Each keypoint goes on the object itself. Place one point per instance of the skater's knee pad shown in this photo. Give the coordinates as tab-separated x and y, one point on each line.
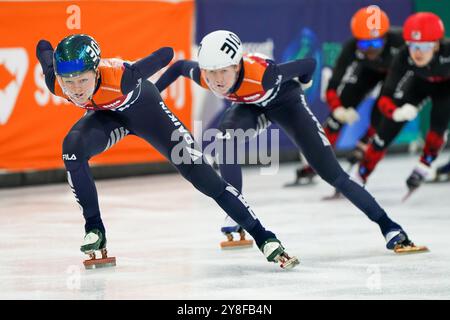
205	179
73	150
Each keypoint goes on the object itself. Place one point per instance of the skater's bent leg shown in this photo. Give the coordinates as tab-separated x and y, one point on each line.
387	131
80	180
91	135
154	122
304	129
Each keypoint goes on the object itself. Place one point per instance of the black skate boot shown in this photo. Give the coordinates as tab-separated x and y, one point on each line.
416	178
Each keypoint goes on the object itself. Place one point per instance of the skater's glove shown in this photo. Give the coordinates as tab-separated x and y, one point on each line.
345	115
407	112
44	45
352	115
340	114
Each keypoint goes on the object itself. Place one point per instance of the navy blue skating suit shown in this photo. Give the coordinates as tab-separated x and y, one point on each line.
125	103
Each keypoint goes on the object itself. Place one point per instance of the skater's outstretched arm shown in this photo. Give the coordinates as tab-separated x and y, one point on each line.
185	68
279	73
133	73
44	53
142	69
395	80
345	58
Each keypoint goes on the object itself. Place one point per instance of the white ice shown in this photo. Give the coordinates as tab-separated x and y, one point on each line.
166	237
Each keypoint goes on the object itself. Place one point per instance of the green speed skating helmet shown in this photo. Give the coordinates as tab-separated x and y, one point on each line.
76	54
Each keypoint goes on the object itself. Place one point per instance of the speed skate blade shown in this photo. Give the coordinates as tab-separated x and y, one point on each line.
290	263
99	263
407	195
238	244
410	249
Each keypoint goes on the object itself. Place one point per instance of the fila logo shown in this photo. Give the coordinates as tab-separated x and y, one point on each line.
66	157
13	68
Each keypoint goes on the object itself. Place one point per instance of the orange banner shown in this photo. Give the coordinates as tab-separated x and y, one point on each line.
33	123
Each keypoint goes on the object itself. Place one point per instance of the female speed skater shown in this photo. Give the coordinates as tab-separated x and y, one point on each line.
120	101
263	92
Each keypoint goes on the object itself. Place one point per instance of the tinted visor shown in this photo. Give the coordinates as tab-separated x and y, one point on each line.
364	45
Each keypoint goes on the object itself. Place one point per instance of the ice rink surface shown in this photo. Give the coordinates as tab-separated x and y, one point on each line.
166	237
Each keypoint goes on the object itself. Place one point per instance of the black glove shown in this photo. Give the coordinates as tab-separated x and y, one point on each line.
44	53
43	45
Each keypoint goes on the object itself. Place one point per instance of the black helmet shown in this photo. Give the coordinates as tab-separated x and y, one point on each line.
76	54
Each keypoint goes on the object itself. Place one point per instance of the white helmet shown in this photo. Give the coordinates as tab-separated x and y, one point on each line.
219	49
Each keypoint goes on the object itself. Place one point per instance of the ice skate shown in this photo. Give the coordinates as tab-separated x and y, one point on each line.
416	178
398	241
95	241
274	252
230	227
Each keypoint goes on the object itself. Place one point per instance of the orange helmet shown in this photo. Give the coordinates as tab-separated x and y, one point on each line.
369	22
